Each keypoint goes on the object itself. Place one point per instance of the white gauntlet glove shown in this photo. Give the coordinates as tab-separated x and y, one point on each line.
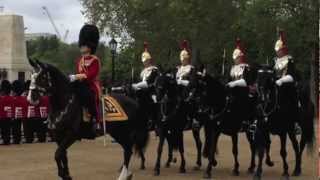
182	82
72	78
284	79
238	83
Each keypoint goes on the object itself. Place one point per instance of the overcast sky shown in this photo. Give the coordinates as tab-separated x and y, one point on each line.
65	13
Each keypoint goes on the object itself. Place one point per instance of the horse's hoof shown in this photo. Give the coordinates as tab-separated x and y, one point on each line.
296	172
197	168
174	160
214	163
67	178
285	176
207	176
182	170
251	170
257	177
130	177
156	172
235	173
269	163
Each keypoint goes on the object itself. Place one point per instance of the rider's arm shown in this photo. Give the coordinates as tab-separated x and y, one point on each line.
238	83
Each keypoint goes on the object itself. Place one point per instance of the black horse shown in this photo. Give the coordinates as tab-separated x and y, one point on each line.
225	111
172	119
67	117
282	107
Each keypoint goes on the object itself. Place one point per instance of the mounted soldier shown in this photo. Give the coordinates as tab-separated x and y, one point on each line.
149	72
147	76
184	75
287	76
238	70
87	71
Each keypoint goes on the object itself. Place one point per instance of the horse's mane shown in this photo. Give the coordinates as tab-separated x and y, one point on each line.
60	87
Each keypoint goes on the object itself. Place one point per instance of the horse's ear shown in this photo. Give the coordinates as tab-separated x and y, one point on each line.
42	65
32	63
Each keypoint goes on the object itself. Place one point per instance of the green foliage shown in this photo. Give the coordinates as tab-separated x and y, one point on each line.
210	25
61	55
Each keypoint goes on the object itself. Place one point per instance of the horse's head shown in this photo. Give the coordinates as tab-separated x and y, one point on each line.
40	81
165	85
266	77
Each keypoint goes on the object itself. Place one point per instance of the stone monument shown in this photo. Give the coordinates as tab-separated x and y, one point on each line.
13	56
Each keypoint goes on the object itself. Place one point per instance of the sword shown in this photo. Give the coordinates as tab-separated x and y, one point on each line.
223	61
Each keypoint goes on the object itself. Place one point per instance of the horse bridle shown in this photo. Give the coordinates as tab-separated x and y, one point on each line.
264	106
34	87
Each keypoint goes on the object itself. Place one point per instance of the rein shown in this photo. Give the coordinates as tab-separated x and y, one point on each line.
264	107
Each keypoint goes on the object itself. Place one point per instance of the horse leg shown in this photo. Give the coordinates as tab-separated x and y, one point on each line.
160	147
235	154
170	152
196	136
295	145
283	153
269	162
127	153
143	160
181	150
258	173
253	155
214	148
209	149
61	156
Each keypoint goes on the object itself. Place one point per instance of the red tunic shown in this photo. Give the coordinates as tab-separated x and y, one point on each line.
6	107
90	66
43	107
32	111
20	106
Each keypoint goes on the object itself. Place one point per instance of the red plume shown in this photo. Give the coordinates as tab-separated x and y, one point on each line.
282	37
284	41
185	45
145	45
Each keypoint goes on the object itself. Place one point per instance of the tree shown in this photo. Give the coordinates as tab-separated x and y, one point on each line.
210	25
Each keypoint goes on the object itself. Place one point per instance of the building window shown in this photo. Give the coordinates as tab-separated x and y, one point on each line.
21	76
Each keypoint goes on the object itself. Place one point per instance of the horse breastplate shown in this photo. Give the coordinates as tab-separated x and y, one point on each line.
237	71
183	72
281	66
146	72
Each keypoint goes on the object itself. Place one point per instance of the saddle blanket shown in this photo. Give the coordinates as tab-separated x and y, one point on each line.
112	110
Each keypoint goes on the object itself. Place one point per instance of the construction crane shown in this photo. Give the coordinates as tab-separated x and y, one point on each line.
54	25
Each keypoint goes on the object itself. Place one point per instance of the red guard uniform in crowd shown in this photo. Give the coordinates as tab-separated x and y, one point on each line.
43	107
6	115
20	106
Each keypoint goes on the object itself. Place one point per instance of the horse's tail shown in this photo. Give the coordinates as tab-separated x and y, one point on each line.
307	119
141	133
173	139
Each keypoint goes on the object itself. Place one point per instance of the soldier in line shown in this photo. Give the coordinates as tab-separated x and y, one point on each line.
6	111
20	105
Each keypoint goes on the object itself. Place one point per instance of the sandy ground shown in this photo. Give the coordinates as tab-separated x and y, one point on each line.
90	160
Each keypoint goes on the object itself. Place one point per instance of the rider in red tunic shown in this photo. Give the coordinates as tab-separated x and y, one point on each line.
88	69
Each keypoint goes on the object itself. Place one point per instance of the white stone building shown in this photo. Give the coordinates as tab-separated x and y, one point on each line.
13	56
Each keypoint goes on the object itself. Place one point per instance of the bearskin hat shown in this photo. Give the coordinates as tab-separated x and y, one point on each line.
145	55
89	36
5	87
18	87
